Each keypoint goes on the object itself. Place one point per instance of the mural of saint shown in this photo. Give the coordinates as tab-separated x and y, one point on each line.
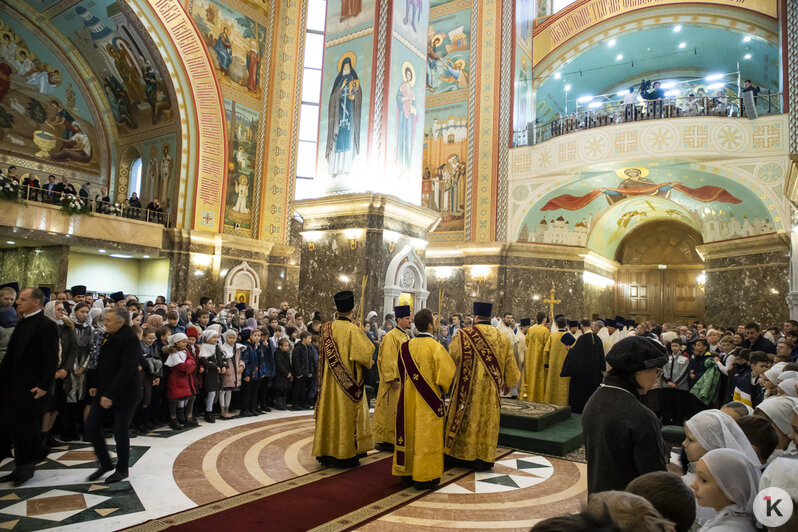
253	66
406	117
242	189
412	12
343	131
635	183
165	172
350	8
224	50
153	175
432	60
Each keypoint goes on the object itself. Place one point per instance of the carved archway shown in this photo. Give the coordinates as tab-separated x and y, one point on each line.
242	280
405	274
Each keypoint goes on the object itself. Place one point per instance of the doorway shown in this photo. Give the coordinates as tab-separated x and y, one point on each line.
659	275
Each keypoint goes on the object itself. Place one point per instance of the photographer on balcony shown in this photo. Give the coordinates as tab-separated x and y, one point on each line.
655	95
630	106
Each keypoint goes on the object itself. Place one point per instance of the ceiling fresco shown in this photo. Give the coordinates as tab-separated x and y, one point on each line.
598	208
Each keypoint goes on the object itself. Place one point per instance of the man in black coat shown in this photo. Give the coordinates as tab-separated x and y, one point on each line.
585	365
755	341
117	388
26	375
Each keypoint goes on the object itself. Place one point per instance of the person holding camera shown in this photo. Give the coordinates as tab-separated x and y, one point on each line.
655	95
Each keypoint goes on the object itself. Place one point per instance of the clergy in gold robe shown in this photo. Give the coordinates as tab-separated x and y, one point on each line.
427	371
535	371
343	431
384	420
485	367
554	355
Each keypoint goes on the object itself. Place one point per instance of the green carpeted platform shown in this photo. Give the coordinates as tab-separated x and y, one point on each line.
538	427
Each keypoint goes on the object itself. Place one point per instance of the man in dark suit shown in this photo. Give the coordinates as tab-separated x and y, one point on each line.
116	387
26	375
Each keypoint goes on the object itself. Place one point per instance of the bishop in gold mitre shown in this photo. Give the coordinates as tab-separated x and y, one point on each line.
425	373
343	431
485	368
535	367
384	421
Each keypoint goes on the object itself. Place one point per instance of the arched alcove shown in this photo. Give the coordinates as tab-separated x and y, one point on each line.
405	275
662	242
242	282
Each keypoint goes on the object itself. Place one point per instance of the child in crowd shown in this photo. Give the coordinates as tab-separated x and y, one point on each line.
180	388
778	411
267	371
313	381
234	368
770	379
173	322
746	385
671	497
736	410
631	513
675	387
213	365
761	435
281	382
151	375
193	333
300	368
251	376
727	482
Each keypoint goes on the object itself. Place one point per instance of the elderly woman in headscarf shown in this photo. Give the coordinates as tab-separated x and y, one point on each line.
155	322
779	411
727	482
66	361
212	360
622	437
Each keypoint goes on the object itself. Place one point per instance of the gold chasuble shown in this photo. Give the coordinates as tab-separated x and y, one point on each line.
554	356
485	363
535	371
343	430
427	368
384	421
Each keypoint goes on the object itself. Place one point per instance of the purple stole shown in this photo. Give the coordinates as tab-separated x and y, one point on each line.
407	367
348	384
473	345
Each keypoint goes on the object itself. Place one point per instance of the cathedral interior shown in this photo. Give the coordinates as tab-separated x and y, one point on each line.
624	157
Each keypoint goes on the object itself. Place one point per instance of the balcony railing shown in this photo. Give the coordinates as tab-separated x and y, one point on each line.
123	210
619	113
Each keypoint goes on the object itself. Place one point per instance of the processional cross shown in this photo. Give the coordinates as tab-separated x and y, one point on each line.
551	302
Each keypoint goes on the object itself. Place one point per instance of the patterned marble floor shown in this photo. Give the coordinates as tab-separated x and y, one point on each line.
175	471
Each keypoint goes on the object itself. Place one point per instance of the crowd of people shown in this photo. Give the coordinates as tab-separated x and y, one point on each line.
57	191
74	365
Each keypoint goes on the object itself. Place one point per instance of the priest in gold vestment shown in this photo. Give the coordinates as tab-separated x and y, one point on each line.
427	370
554	355
384	421
343	431
485	367
535	371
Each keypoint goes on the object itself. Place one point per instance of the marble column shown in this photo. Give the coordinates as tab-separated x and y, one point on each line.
351	237
792	296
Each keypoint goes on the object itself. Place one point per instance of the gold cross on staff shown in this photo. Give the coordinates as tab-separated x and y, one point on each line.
551	302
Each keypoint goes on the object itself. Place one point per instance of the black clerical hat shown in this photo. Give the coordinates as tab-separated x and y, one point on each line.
610	322
344	301
636	353
241	306
526	322
14	285
558	316
402	311
116	297
573	323
621	321
568	339
46	291
78	290
483	309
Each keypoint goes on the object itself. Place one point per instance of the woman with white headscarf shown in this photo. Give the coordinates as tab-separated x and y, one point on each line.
770	379
212	365
789	387
727	482
783	473
233	370
707	431
778	410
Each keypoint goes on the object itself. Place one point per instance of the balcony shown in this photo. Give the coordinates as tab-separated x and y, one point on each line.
598	115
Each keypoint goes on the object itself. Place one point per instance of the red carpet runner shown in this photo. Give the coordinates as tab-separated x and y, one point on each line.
304	507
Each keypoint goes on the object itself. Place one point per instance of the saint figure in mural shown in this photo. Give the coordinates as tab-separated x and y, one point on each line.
165	168
456	73
153	175
253	64
242	189
224	50
350	8
77	148
343	130
412	12
634	183
406	117
432	61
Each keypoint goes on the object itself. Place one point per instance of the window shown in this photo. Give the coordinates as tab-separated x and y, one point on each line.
559	5
135	177
311	91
